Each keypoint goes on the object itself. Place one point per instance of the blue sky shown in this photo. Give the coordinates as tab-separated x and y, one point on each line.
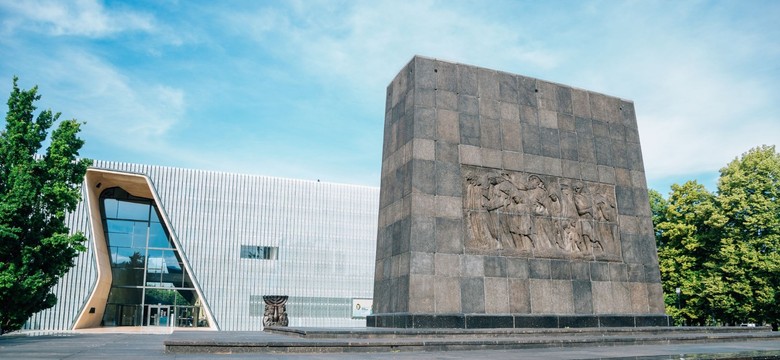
297	88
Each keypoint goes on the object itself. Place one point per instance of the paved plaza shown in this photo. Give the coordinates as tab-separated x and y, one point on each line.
147	345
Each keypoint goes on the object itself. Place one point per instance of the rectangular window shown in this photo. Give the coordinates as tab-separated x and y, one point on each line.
259	252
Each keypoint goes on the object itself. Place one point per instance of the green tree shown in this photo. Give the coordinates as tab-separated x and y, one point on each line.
36	190
744	284
723	250
686	242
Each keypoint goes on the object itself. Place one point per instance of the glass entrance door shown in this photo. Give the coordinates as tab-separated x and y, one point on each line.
158	315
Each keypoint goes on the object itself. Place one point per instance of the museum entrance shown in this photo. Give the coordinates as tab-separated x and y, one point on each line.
158	315
150	285
172	315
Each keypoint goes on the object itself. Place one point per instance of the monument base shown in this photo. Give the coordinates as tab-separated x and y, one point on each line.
485	321
609	342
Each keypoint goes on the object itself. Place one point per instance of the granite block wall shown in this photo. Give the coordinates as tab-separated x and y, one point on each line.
510	196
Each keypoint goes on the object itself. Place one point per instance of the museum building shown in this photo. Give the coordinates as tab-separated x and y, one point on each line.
191	248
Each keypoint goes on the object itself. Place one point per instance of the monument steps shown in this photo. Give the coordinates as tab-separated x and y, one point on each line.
397	333
322	340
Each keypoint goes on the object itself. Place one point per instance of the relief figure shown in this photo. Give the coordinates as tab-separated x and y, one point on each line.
605	206
584	208
540	199
570	237
496	198
476	220
568	209
519	221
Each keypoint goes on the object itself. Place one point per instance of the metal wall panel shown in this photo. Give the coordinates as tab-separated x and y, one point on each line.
326	235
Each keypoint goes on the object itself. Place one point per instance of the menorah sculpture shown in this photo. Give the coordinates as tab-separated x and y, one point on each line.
275	310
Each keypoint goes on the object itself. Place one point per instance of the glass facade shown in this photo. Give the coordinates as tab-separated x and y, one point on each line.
150	285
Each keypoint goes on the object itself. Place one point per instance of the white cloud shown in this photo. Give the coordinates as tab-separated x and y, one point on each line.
363	44
700	101
80	17
119	109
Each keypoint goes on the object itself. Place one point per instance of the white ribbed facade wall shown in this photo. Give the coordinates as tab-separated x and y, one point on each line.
326	235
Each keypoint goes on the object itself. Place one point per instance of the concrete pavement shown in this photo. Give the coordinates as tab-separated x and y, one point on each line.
118	346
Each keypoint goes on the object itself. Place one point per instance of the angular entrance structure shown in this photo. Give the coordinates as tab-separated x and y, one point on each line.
508	201
143	279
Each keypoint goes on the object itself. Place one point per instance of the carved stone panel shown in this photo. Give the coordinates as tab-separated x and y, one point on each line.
529	215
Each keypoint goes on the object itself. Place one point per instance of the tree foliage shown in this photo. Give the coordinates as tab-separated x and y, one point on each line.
36	190
723	250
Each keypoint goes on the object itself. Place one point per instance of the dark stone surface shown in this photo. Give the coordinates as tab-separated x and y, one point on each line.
578	321
618	272
448	235
583	296
619	154
551	142
586	151
507	87
469	129
446	100
517	268
599	271
560	270
583	127
422	180
446	153
539	268
580	270
569	145
424	121
490	132
472	295
536	321
625	200
616	321
636	273
489	321
448	179
467	80
653	320
422	231
526	91
495	266
566	122
468	104
531	139
441	321
603	148
446	76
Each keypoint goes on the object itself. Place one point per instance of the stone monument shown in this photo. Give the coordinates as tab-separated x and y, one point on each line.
508	201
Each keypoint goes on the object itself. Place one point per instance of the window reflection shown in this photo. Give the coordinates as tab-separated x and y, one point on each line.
157	236
110	208
133	211
119	226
